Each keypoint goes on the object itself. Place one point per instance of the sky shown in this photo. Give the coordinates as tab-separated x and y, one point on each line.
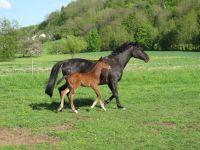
29	12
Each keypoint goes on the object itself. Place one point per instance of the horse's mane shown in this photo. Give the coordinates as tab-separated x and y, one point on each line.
122	48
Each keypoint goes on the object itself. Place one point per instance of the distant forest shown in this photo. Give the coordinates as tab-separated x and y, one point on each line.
105	24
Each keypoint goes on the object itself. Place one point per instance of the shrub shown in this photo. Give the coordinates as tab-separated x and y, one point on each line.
94	42
31	47
55	47
70	45
9	41
75	45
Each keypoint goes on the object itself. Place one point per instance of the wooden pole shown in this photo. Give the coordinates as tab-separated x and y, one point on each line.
32	64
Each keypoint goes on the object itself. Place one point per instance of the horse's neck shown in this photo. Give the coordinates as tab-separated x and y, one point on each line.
97	70
124	57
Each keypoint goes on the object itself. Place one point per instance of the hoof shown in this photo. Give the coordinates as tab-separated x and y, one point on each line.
75	111
59	109
121	107
104	109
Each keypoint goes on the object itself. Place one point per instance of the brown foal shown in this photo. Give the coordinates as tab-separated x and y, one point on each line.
88	79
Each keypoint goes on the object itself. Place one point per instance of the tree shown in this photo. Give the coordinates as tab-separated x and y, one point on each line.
114	35
143	35
168	35
166	24
9	41
94	42
55	47
75	44
31	47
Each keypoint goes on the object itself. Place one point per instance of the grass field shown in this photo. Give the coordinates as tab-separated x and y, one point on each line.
162	100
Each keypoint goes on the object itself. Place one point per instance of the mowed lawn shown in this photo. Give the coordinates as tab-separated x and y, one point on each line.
162	100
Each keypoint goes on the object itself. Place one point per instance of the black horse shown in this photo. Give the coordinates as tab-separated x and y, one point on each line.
118	60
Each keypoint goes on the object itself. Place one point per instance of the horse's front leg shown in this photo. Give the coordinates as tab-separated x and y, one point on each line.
114	88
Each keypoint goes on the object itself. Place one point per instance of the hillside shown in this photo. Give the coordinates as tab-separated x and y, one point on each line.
155	24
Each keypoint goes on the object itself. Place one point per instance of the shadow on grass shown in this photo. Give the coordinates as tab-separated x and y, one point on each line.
54	105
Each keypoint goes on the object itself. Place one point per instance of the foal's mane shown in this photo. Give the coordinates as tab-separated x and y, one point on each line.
122	48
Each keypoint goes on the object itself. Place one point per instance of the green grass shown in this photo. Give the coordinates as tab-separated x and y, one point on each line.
162	99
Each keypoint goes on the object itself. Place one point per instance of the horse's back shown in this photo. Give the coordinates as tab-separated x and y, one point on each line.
77	65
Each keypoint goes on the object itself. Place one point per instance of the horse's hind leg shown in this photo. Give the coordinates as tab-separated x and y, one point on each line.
110	99
114	89
62	95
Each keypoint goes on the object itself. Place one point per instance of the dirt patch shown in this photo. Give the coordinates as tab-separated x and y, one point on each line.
70	125
19	136
22	136
63	127
164	124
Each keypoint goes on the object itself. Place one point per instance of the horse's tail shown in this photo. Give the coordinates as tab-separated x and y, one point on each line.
52	78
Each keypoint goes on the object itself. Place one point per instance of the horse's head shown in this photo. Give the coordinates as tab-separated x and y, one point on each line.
139	53
105	65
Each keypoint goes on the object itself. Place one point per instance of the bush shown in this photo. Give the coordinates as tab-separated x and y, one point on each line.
75	45
143	35
94	42
9	41
71	45
31	47
55	47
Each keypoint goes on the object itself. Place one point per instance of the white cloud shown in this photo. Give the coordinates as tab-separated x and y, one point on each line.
5	4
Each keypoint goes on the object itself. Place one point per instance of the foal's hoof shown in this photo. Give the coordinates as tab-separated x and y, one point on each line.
59	109
104	109
75	111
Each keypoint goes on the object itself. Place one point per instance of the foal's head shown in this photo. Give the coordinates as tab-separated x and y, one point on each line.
104	65
138	52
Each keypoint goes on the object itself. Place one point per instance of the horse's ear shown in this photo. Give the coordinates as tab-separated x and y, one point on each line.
101	59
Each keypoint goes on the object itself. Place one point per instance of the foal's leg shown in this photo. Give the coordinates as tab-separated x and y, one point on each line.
70	96
63	87
61	90
63	93
98	99
94	104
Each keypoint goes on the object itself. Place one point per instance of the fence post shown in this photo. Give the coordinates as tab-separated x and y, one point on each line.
32	64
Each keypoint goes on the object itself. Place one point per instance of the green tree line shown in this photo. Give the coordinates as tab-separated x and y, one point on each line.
155	24
99	25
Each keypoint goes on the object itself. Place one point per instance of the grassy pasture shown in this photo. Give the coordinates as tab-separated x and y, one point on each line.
162	99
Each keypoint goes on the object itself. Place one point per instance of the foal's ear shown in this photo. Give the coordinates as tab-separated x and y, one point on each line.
100	59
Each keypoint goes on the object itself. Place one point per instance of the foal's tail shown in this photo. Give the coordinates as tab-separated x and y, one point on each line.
52	78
